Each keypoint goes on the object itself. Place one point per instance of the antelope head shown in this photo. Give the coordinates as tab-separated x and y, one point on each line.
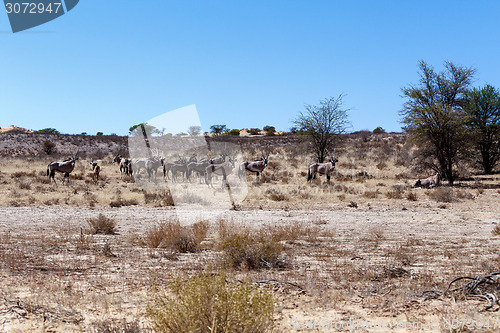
265	158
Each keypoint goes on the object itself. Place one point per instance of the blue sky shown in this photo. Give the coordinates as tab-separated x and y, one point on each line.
107	65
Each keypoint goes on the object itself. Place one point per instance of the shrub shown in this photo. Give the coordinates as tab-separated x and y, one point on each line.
379	130
102	225
411	196
496	230
207	303
276	195
235	132
49	147
254	131
161	198
250	250
122	202
394	194
176	237
442	194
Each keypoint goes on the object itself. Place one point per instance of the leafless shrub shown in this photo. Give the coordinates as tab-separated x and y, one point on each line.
394	194
441	194
174	236
49	147
371	194
122	202
101	225
381	165
276	195
496	230
24	186
110	326
160	199
411	196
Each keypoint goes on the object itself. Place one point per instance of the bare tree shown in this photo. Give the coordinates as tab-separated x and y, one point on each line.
323	124
433	114
194	130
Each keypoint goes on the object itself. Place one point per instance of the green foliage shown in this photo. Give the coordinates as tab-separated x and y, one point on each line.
49	130
254	131
208	303
99	134
323	123
144	128
218	129
482	108
269	130
433	114
234	132
379	130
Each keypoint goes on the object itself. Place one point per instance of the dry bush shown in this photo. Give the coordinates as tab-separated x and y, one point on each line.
160	199
24	186
102	225
207	303
174	236
293	231
411	196
247	249
276	195
394	194
119	202
463	195
441	194
109	326
381	165
371	194
496	230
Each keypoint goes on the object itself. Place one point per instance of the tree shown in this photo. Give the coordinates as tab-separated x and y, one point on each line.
269	130
48	130
482	108
140	128
49	147
218	129
379	130
323	123
254	131
194	130
99	134
234	132
433	114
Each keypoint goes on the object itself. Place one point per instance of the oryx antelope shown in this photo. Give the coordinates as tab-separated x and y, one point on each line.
65	167
125	164
223	169
255	166
153	164
198	167
322	168
96	170
429	182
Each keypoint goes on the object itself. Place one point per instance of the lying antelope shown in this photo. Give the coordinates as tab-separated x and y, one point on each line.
322	168
429	182
256	166
65	167
96	170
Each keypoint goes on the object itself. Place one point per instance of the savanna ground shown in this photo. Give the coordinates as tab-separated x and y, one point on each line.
369	246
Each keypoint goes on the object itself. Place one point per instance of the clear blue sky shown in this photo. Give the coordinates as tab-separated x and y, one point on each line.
107	65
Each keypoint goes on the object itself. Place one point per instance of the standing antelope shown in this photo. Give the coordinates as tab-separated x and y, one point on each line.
125	164
199	167
322	168
97	169
65	167
256	166
223	169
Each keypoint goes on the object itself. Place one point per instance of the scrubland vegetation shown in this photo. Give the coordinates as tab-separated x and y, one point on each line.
110	256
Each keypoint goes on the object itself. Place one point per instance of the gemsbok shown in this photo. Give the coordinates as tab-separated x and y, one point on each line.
322	168
255	166
429	182
96	170
125	165
65	167
223	169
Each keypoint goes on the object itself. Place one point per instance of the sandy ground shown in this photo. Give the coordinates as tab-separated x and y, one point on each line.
369	235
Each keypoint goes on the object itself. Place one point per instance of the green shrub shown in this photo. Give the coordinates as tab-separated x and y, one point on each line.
208	303
234	132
